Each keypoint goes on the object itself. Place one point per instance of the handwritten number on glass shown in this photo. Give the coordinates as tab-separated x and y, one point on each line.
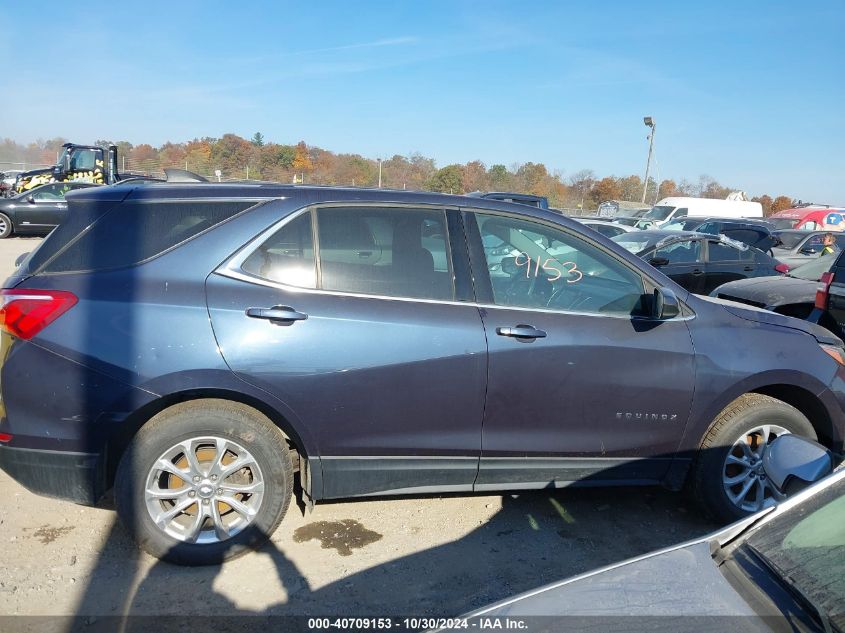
532	267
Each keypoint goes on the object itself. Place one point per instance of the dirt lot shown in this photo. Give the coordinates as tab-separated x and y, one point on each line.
436	555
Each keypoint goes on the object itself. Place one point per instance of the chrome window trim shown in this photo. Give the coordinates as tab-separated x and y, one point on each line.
231	268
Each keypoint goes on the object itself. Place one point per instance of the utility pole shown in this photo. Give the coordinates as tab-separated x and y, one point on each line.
379	172
649	121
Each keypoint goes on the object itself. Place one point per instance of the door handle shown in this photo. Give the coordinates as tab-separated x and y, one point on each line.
521	331
276	313
697	271
748	268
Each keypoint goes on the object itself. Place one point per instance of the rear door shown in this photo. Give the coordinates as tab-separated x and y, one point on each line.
580	386
727	263
360	319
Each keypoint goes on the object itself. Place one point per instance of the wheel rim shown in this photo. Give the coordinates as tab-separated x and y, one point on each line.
3	226
743	478
204	490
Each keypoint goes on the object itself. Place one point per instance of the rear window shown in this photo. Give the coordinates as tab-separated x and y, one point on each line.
129	233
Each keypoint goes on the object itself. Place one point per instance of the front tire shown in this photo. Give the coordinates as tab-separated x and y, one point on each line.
728	479
203	482
6	227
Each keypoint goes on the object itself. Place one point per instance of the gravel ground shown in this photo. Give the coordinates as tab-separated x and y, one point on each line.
402	556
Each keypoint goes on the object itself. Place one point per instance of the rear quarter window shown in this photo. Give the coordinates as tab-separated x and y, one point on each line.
133	232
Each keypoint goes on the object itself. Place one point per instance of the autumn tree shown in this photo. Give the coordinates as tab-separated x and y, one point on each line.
765	202
781	203
632	188
667	189
608	188
302	159
475	177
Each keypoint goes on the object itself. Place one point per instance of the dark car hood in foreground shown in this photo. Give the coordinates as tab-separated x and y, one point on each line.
758	315
679	582
770	291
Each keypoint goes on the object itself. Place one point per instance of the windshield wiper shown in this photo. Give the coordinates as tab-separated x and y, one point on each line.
791	587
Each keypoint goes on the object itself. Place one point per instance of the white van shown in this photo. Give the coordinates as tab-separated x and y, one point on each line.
670	209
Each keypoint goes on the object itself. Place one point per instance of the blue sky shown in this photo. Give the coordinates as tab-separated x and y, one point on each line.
750	93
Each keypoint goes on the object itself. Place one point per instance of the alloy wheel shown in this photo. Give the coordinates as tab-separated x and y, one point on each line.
743	476
204	490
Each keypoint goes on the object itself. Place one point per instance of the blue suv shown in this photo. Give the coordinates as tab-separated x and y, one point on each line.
198	347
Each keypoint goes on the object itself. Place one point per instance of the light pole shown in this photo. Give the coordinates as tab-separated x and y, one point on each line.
649	121
379	172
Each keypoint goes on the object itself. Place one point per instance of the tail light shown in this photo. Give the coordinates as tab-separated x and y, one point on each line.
822	290
782	268
25	312
5	437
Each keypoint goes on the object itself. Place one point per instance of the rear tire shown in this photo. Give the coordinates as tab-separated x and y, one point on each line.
176	507
6	227
727	478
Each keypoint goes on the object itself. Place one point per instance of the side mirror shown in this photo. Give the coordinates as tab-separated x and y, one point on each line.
20	258
658	261
30	199
665	304
792	462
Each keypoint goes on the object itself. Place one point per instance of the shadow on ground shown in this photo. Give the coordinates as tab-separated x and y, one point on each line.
534	539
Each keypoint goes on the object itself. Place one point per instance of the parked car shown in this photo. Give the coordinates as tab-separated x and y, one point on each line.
36	212
796	247
697	261
829	305
811	218
195	345
7	182
791	294
541	202
780	570
754	232
605	227
674	208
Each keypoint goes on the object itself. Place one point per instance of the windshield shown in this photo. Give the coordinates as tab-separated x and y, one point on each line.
814	270
633	241
682	224
782	223
659	213
790	240
806	547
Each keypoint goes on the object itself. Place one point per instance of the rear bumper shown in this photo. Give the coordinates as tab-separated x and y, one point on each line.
76	477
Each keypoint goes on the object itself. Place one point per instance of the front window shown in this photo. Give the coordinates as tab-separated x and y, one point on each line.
537	266
685	252
659	213
805	548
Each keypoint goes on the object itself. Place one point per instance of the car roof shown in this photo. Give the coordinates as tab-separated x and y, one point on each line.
259	191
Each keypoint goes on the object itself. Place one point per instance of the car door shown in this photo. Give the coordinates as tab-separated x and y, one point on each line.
725	262
681	261
581	386
358	319
43	208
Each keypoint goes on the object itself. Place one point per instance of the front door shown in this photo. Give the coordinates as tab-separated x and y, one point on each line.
682	262
47	207
581	386
350	317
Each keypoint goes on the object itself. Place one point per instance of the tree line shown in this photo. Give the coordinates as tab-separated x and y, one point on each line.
239	158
